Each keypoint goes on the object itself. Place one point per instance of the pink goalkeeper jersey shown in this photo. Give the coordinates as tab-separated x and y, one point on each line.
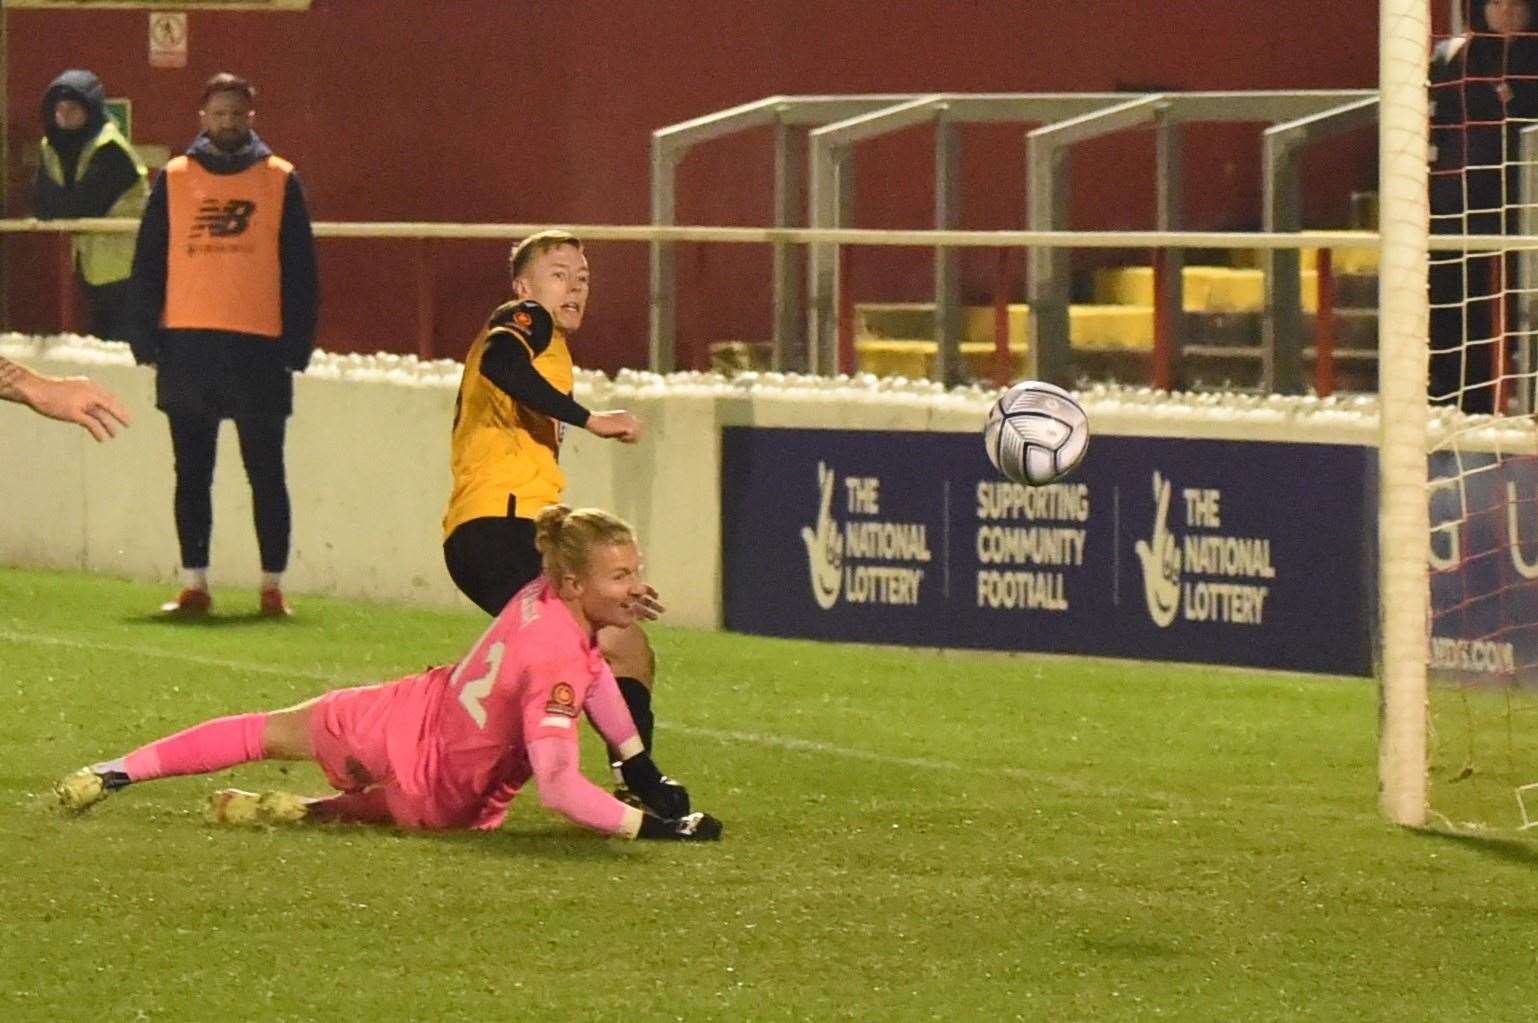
457	735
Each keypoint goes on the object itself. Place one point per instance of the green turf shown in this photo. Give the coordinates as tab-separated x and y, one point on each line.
1482	745
910	835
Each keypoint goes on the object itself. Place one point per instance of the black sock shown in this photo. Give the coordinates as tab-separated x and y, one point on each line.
639	699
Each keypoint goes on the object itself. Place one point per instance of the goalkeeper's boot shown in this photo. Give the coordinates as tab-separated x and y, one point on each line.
80	790
237	806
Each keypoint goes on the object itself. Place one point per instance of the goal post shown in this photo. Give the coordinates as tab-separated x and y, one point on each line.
1403	516
1458	448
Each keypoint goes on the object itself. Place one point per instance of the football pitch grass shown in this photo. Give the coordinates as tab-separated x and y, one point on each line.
909	835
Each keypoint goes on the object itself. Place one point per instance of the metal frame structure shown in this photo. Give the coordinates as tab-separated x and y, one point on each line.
1283	146
830	155
1296	120
671	144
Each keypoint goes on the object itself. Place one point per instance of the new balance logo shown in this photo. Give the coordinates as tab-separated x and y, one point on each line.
222	218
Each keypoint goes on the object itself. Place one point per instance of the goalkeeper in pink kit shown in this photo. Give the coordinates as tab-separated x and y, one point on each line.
450	748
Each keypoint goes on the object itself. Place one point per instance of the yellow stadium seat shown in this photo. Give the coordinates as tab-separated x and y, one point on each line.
1117	327
889	358
977	324
1208	289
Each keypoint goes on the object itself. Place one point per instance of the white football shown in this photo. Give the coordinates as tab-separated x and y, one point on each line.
1036	433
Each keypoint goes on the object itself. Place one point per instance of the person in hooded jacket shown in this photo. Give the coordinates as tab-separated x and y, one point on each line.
87	168
227	298
1483	92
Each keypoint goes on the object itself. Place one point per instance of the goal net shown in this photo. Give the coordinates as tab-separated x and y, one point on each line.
1460	670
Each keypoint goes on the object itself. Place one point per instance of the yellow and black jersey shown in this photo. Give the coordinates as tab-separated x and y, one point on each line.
506	443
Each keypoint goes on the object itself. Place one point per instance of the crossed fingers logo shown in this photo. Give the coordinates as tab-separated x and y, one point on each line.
1160	558
222	218
825	544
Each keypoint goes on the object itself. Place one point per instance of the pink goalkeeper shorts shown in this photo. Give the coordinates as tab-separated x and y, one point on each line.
348	728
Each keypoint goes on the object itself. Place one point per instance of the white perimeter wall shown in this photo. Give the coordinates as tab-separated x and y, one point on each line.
368	467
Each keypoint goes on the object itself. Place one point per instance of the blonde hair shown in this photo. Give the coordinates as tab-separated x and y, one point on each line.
534	244
565	537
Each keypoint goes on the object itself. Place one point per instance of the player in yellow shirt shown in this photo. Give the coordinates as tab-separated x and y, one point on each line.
514	405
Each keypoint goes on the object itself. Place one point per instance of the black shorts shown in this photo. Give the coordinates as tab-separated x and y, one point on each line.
492	559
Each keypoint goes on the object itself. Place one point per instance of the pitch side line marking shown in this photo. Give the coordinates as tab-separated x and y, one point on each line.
789	742
784	742
39	639
1170	801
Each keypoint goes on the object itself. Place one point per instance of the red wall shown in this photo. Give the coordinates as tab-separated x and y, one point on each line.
514	111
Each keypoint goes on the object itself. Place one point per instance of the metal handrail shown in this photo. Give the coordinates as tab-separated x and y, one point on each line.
917	237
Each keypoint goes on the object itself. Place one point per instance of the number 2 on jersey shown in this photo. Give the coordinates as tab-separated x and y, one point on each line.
474	694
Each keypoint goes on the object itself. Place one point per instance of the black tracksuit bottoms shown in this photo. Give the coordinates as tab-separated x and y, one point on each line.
194	441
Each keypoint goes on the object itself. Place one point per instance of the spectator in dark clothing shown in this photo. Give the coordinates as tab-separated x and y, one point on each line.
1484	91
87	168
227	295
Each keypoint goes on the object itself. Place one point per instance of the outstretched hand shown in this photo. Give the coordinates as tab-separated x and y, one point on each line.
618	425
77	400
647	607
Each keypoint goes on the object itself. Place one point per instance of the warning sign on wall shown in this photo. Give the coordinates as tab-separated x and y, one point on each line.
168	39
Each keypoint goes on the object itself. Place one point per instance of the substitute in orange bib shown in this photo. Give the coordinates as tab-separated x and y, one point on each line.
225	278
